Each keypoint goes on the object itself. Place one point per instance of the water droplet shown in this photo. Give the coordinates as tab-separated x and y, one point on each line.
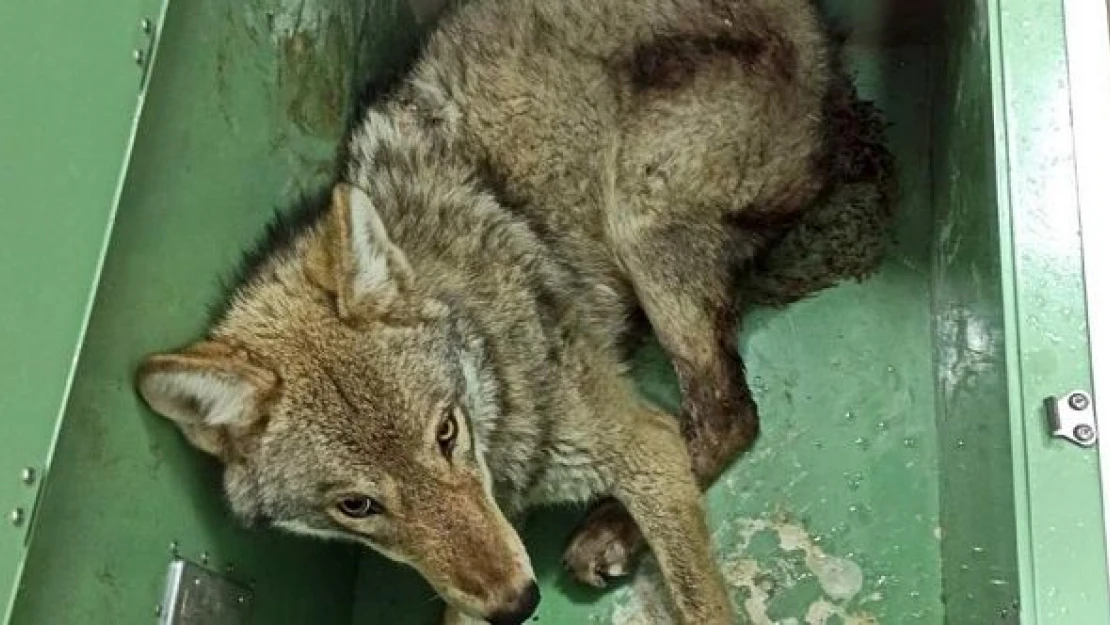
853	508
960	443
883	425
909	442
818	445
890	369
914	594
854	480
862	443
849	416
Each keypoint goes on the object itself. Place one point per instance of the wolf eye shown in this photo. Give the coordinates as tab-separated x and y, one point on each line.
447	433
358	507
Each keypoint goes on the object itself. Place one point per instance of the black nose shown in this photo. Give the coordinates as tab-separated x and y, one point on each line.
519	610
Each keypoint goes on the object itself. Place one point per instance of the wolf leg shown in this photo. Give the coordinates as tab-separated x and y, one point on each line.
681	277
655	484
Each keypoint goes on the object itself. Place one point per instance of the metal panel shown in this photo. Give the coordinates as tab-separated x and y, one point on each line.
1088	41
1061	547
976	476
70	94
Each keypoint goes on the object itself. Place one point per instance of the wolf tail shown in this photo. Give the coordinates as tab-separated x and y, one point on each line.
845	235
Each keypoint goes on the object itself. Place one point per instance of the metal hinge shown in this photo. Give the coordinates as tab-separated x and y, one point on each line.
1073	417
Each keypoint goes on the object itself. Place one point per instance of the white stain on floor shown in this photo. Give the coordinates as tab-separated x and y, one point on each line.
840	579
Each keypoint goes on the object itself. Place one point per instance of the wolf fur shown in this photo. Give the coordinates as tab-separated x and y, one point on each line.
437	343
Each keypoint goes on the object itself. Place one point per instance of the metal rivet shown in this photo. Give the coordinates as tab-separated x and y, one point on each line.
1078	401
27	476
1084	432
146	25
15	517
138	56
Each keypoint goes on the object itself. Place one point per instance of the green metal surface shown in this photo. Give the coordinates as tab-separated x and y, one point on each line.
977	484
1060	547
69	95
1087	26
243	108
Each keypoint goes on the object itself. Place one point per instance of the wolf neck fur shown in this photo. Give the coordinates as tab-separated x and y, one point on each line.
427	195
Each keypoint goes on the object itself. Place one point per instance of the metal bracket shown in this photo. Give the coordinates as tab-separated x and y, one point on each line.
1073	417
198	596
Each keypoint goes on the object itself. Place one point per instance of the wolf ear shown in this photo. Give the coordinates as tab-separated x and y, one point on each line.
371	274
207	390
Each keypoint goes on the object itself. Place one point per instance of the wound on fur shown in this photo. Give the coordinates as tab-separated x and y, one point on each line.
671	62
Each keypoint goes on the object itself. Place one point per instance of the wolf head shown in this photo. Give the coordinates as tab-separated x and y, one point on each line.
345	403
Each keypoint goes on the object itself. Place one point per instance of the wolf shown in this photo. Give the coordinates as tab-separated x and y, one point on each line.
438	341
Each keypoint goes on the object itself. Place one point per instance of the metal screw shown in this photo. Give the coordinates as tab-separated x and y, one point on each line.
27	476
1078	401
15	517
146	25
138	56
1084	433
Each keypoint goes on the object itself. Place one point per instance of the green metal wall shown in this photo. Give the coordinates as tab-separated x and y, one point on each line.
68	97
1058	511
978	549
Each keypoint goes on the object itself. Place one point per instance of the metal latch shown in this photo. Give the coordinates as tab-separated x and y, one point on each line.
198	596
1073	417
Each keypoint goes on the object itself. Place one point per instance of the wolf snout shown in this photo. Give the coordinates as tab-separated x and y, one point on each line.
519	608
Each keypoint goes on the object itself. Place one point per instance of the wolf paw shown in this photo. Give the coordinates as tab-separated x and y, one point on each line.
605	546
